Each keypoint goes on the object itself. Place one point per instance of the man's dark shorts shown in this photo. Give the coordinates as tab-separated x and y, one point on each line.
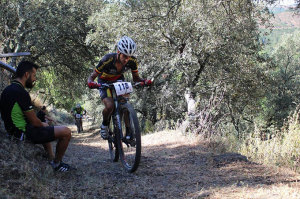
40	135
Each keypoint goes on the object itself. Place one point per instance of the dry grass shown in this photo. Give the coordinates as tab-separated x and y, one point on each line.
24	171
281	149
277	191
172	166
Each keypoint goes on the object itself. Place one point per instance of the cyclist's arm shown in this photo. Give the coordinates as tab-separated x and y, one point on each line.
93	76
136	77
134	70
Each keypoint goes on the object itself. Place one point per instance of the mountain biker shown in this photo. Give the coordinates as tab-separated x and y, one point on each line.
21	121
78	109
110	69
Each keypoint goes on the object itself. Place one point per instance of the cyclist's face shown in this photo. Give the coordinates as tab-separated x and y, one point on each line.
124	59
31	78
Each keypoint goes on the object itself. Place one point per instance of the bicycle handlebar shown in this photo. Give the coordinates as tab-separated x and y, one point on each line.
135	85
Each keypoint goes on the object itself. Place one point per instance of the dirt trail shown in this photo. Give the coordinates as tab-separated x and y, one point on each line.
172	166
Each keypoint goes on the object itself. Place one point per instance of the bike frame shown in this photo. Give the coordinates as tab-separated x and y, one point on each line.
116	114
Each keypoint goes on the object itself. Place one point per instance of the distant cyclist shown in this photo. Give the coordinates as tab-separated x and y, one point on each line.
78	112
110	69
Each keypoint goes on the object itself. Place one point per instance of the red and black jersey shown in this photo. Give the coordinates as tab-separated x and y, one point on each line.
107	67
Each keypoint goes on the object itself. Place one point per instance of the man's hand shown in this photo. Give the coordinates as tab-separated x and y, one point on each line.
147	82
45	124
93	85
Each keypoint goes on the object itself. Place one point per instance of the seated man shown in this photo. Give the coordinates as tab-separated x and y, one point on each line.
21	121
42	115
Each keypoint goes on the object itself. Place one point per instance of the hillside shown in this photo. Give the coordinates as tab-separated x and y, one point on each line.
172	166
286	20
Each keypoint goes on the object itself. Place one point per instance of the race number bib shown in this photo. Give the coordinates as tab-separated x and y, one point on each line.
78	116
123	88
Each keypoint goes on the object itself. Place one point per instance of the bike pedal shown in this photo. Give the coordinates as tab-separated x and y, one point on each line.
127	137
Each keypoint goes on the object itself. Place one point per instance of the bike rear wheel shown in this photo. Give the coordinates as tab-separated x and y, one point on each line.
130	149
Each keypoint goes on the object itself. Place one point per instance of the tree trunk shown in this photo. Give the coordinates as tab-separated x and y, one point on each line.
191	103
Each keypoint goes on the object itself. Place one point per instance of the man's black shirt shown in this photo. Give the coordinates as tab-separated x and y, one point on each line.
15	100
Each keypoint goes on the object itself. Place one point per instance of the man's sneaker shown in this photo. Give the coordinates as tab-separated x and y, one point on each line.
104	132
61	167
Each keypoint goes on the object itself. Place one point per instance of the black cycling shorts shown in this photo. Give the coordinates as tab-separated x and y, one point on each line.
105	92
40	135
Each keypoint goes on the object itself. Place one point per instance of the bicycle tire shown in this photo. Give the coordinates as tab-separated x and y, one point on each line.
129	150
78	126
113	146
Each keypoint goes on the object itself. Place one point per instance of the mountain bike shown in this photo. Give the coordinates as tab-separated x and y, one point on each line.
78	123
124	140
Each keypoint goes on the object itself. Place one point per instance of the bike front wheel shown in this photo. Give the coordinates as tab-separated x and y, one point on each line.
130	144
78	126
112	145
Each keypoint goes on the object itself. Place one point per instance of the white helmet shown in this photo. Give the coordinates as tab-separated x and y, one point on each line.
78	106
126	46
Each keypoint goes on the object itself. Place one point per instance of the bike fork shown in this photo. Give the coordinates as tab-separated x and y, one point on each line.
117	123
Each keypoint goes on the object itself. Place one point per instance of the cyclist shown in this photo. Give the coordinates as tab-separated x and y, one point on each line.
110	69
78	109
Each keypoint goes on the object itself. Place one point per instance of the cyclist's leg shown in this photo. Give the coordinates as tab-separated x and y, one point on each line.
108	102
108	109
81	123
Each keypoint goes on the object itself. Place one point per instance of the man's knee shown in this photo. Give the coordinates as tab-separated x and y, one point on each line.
62	132
68	133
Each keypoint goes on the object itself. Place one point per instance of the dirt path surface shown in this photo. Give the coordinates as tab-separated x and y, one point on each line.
172	166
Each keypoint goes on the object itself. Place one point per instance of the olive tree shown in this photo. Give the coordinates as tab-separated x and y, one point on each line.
54	32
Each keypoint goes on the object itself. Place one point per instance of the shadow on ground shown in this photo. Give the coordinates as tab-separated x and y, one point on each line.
169	170
171	167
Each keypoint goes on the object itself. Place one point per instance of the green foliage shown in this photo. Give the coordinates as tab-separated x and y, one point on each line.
275	37
62	116
184	46
284	93
54	32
